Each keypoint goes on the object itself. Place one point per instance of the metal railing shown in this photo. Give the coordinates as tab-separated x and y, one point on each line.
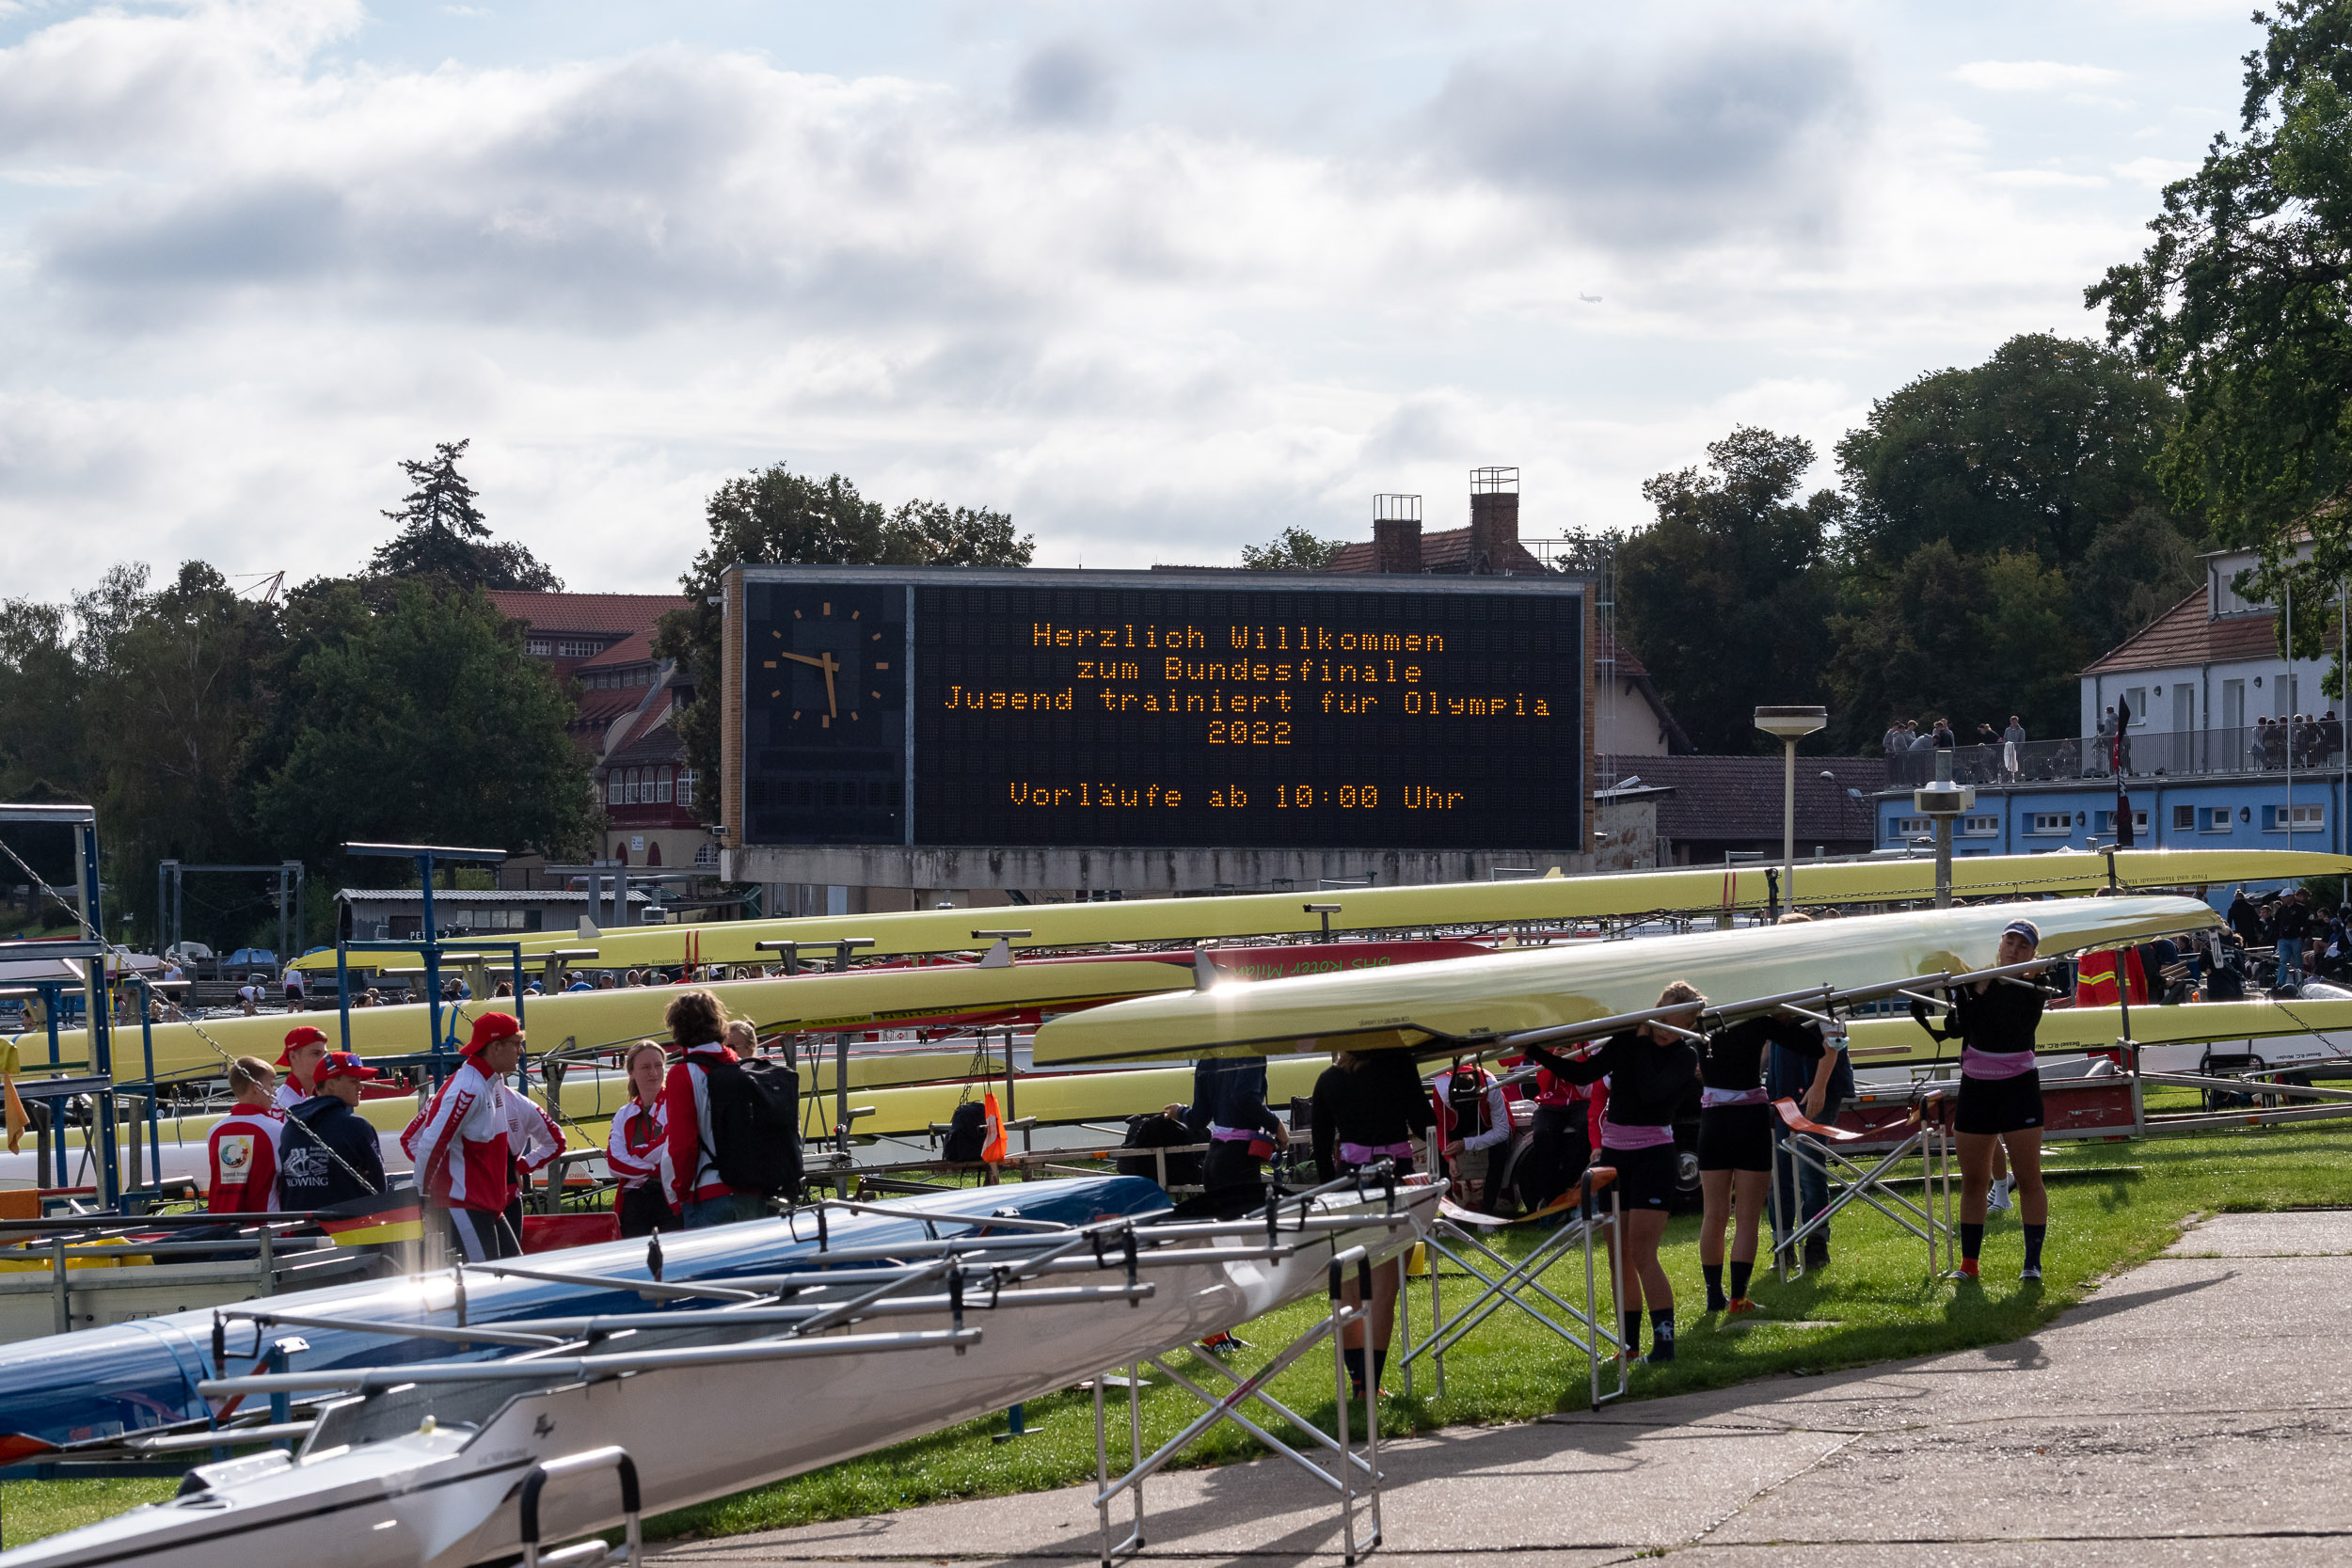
2315	746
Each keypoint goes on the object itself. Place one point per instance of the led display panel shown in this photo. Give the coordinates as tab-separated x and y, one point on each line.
955	708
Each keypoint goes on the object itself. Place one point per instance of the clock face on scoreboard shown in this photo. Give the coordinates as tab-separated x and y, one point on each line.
1062	709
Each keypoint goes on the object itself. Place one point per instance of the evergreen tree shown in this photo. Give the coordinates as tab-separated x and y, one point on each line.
442	533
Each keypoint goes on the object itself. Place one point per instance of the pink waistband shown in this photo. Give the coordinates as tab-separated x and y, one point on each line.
1995	1064
1735	1097
1618	1136
1233	1135
1364	1154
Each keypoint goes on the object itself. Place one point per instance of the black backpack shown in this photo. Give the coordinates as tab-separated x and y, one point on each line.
755	1124
1158	1130
967	1134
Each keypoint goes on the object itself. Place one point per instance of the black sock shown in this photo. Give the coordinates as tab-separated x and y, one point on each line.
1379	1364
2033	1244
1740	1273
1715	1273
1971	1240
1354	1357
1661	1334
1632	1332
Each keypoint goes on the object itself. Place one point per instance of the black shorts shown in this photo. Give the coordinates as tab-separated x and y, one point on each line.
1992	1105
1229	1163
1646	1177
644	1209
1736	1137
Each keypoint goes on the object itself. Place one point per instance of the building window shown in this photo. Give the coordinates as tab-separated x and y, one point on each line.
661	783
578	650
2305	819
1912	826
1980	826
2104	822
686	796
705	857
2184	818
540	647
2213	819
636	787
2050	822
613	781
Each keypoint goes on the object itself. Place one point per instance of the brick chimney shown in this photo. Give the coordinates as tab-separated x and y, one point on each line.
1494	529
1396	534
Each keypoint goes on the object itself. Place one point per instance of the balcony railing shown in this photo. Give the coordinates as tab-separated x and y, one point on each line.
2317	747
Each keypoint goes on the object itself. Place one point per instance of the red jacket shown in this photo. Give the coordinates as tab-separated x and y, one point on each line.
694	1174
463	1143
245	1162
637	1147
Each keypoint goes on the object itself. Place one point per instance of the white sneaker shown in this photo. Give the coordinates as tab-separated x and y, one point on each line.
1998	1198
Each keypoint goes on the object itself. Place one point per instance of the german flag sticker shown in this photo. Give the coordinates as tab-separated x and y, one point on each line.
391	1217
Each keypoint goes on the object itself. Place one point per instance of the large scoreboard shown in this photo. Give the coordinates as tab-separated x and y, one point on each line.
951	706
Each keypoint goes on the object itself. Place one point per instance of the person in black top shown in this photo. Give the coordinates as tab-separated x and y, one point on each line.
1650	1071
1735	1122
2000	1096
1369	1107
1230	1114
328	1152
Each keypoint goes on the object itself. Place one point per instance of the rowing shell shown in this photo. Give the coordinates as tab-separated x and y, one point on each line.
1473	1001
1540	900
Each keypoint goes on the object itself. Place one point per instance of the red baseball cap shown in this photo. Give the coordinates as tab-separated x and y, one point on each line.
342	1064
301	1035
490	1028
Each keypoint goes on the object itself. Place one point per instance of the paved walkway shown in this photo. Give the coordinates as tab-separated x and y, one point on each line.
2197	1410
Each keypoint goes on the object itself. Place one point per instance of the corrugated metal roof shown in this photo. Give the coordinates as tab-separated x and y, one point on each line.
470	896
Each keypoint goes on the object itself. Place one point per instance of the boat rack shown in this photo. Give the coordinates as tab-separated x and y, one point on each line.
1455	1241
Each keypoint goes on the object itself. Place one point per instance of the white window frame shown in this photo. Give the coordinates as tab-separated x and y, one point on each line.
2050	824
2215	820
686	778
2310	817
539	648
1980	827
1913	827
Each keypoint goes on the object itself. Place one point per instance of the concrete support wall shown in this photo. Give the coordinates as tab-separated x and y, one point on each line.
1138	873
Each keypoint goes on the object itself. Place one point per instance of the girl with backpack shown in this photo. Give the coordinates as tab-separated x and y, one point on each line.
701	1196
638	1148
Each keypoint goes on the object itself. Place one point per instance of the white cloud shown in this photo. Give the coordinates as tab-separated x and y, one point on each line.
2154	173
2044	179
2032	75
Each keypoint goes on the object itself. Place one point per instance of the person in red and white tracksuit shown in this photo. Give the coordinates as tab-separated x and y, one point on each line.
244	1146
638	1149
698	1025
306	1046
465	1144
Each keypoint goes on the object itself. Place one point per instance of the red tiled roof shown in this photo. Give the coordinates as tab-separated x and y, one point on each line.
2187	635
636	648
1445	552
1740	798
1628	665
598	613
657	741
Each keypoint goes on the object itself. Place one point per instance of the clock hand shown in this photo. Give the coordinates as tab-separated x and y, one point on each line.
827	664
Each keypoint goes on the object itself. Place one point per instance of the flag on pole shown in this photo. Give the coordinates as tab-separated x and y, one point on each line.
2122	796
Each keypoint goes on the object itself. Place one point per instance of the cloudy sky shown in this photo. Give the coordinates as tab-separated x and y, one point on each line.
1158	278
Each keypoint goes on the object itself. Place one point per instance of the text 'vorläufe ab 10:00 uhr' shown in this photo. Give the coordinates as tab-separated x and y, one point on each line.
1100	794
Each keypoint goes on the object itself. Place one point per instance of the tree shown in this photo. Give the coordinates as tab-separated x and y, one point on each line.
774	516
1726	596
2243	302
428	725
1292	550
442	533
40	696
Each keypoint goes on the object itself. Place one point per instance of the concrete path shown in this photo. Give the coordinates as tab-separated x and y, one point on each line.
2197	1410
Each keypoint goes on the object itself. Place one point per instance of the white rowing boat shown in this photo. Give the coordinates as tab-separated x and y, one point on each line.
423	1466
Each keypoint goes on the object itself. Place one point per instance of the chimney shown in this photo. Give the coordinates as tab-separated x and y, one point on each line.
1494	529
1396	534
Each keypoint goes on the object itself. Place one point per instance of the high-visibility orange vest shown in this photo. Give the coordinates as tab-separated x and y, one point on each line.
993	1150
2094	979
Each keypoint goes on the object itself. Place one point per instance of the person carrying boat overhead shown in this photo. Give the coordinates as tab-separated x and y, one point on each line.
1228	1113
1561	1147
304	1046
637	1147
2000	1096
1651	1070
1368	1107
1736	1125
462	1146
244	1146
329	1154
1472	1120
696	1191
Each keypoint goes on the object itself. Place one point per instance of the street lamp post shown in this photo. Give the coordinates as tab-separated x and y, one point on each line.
1792	724
1944	800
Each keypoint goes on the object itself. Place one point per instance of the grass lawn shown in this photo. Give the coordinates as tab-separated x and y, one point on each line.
1874	1303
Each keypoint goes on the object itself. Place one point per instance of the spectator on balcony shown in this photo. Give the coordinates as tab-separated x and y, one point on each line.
2106	740
2013	738
1895	739
2271	744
